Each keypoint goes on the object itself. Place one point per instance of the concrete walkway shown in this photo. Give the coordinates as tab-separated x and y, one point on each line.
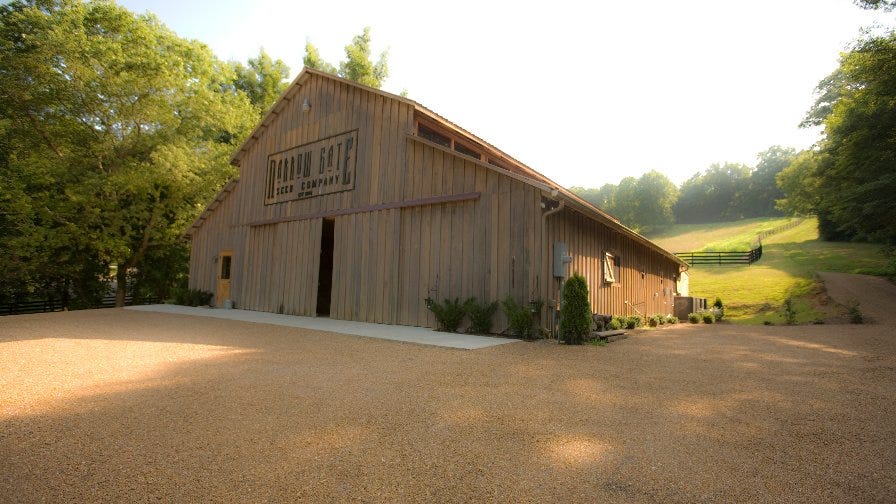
421	335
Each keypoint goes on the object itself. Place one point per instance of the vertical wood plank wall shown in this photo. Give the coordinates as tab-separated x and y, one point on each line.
646	280
387	261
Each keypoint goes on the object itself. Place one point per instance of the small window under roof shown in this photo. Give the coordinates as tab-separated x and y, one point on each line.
433	136
463	149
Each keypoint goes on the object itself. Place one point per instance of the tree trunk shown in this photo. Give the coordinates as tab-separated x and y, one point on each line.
121	289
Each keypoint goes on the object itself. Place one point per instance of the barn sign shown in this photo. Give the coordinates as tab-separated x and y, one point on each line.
325	166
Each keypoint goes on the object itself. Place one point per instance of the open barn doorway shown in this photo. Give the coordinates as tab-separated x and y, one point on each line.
325	278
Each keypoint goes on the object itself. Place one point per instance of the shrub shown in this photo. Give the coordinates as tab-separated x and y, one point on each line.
660	319
789	311
575	313
693	318
632	322
671	319
480	315
719	308
615	324
449	314
653	321
708	318
520	320
855	315
193	297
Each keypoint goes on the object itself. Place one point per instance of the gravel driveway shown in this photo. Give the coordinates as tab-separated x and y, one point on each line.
125	406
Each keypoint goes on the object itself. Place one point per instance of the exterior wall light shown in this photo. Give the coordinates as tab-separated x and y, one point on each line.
306	105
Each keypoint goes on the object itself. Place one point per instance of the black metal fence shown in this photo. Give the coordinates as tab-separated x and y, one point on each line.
25	306
738	257
721	258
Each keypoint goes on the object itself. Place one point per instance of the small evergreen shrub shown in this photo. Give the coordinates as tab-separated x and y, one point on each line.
632	322
661	319
575	313
693	318
520	320
671	319
614	324
653	321
708	318
480	315
449	314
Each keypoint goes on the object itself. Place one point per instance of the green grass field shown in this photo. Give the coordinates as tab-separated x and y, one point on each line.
754	294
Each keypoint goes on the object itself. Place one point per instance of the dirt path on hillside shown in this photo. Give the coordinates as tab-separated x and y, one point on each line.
876	295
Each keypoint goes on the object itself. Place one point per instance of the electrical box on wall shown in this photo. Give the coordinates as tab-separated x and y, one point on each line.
561	260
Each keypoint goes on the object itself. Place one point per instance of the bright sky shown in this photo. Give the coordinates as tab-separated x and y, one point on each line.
584	92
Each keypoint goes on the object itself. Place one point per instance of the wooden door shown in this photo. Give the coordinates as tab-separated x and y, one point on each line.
225	264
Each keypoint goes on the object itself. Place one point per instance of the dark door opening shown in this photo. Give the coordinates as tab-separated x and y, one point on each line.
325	278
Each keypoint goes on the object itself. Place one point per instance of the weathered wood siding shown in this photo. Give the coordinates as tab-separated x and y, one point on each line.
219	232
421	221
277	263
486	248
646	280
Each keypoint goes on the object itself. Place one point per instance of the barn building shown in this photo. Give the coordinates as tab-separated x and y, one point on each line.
358	204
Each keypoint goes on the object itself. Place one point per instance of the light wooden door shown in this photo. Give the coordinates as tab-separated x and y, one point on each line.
225	265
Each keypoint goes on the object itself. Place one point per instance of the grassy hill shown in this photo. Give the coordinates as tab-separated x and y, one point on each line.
755	293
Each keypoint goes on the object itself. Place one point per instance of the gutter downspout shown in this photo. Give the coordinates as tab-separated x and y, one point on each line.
550	249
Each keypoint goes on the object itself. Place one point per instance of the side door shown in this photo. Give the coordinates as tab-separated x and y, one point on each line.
225	270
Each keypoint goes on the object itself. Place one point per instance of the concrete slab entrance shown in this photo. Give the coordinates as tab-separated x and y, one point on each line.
421	335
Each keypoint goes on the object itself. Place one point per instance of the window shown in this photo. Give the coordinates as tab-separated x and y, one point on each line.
499	164
465	150
433	136
611	268
225	267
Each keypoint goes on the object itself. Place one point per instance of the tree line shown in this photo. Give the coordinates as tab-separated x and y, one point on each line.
724	191
114	135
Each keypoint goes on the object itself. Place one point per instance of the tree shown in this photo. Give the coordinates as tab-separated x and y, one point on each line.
626	202
116	132
762	190
798	183
314	60
357	65
601	198
884	5
656	197
856	175
643	204
263	80
714	195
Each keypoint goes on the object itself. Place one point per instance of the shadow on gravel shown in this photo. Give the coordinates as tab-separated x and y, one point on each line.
144	407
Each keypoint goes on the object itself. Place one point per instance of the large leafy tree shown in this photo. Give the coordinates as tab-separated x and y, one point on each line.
762	190
856	165
357	65
717	194
262	79
115	132
799	184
